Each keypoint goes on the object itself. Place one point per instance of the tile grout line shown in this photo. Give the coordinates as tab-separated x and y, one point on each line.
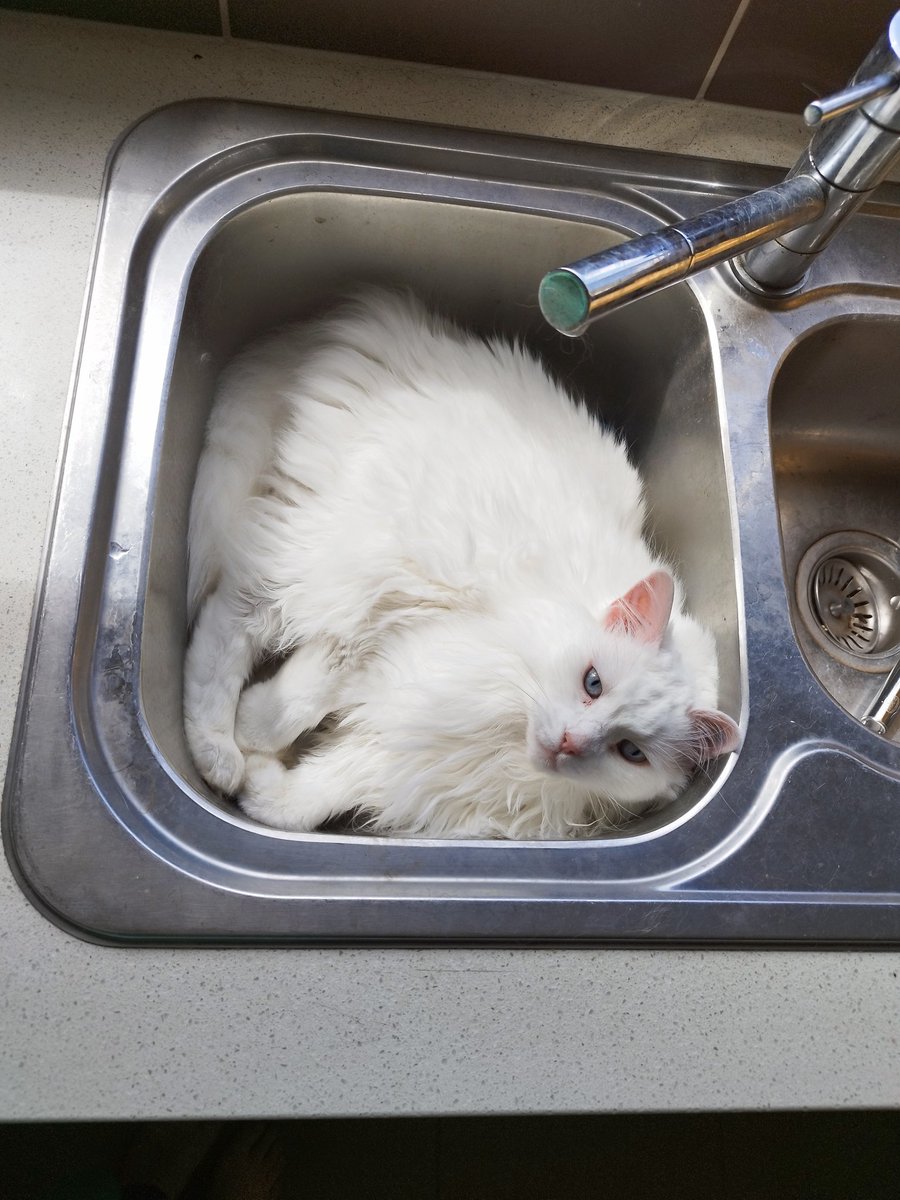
720	53
225	18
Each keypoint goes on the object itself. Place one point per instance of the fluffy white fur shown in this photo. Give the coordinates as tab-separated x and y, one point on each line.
444	543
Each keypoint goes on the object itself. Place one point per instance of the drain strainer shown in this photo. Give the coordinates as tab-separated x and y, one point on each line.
848	593
845	604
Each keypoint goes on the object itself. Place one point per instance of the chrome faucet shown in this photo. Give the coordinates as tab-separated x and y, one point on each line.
772	236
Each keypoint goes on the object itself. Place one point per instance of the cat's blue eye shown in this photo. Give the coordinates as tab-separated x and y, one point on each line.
630	752
592	684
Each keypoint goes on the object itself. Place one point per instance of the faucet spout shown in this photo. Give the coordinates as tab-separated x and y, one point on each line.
572	296
774	234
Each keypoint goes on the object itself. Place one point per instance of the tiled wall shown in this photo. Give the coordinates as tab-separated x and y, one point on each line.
764	53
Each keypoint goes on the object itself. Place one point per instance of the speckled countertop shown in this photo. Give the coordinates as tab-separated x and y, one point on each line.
88	1032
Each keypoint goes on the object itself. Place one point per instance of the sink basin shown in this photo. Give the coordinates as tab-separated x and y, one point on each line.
221	220
835	427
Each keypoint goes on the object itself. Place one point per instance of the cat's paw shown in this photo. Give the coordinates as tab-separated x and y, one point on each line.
272	794
264	777
218	760
255	725
263	794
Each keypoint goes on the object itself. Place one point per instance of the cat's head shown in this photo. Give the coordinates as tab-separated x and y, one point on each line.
621	701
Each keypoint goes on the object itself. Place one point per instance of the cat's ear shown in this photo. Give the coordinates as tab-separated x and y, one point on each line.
644	611
713	733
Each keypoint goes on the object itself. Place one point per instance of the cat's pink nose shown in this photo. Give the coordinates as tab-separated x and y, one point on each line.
568	745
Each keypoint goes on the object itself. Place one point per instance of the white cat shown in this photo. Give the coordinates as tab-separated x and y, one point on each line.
449	549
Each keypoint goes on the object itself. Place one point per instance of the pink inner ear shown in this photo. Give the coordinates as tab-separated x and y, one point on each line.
714	733
644	611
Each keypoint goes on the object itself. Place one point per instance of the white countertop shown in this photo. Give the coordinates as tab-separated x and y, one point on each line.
87	1032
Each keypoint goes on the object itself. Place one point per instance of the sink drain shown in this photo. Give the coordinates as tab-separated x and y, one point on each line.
845	604
848	592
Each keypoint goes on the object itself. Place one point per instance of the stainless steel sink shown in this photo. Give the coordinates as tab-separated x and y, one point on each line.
223	219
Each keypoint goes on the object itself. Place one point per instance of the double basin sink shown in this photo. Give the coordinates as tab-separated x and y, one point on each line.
769	437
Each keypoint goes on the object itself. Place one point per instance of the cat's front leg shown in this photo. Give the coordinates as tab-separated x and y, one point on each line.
218	661
273	714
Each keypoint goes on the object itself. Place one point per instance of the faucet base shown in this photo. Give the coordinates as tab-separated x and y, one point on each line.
774	290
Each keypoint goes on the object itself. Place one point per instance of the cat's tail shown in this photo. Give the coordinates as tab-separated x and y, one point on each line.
237	454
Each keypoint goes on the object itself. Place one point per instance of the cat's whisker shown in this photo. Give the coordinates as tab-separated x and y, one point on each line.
529	695
537	683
